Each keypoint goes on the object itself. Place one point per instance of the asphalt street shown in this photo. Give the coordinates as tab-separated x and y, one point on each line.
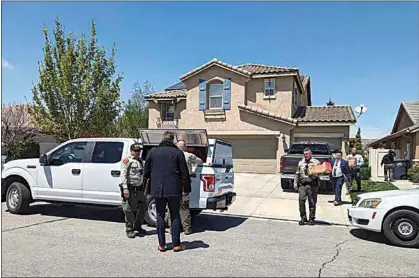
56	240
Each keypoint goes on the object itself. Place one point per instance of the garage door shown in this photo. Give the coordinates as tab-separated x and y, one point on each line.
253	154
334	143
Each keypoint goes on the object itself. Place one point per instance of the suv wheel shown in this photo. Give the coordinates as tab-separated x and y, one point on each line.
401	228
18	198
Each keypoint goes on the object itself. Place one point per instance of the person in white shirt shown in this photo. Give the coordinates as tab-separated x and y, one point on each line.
356	169
340	170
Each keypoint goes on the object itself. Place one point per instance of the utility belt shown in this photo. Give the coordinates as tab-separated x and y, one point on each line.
132	189
308	181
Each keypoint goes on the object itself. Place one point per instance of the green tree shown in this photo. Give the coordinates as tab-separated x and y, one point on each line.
78	93
18	137
358	142
135	111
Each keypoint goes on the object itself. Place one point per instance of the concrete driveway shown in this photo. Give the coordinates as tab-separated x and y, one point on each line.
261	195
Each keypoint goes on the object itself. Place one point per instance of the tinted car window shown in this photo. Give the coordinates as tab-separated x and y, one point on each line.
320	149
72	152
107	152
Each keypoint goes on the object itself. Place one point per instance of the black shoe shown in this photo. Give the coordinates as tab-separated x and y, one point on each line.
141	231
311	222
302	221
130	234
188	232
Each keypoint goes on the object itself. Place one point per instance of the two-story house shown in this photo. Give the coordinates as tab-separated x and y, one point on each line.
260	109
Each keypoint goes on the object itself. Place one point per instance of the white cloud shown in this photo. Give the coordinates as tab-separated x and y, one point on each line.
370	132
6	64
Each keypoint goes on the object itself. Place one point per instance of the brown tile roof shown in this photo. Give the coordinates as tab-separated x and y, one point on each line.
412	109
337	114
409	129
168	94
265	69
245	69
216	61
267	114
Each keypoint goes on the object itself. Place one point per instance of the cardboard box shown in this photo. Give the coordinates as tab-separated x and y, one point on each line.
351	162
319	169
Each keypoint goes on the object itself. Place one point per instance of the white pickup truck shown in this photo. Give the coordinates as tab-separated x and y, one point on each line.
87	171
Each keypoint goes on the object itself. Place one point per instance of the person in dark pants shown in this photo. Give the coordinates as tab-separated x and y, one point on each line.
388	162
340	170
356	169
165	166
307	186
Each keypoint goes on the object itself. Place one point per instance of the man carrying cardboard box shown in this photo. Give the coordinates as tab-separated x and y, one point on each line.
355	162
307	184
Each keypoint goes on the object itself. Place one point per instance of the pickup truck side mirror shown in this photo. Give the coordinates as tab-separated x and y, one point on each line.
286	150
43	160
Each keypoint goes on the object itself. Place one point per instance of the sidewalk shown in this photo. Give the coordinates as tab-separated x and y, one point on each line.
261	195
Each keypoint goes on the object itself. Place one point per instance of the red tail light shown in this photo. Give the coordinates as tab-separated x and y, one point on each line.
208	181
281	165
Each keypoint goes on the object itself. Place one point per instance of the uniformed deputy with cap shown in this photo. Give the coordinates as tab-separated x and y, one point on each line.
307	186
134	202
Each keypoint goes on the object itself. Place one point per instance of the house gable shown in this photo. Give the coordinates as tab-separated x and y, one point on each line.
407	115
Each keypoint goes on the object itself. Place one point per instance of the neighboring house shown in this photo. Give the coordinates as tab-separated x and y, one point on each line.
16	124
405	133
260	109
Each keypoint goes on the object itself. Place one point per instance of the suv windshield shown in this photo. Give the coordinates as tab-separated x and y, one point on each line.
316	149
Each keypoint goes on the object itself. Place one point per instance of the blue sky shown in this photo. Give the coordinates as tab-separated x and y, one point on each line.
355	52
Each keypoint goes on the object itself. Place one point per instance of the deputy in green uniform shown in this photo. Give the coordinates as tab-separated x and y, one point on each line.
307	186
134	202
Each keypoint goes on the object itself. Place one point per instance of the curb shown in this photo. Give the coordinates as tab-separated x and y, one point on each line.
321	223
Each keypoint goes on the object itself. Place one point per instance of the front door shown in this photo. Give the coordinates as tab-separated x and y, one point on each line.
62	178
102	174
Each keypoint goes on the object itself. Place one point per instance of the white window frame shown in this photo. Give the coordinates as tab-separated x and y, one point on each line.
210	97
269	88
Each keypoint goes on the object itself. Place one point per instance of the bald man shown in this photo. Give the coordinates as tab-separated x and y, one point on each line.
185	215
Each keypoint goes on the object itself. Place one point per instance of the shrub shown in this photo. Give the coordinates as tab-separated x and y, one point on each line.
413	175
365	173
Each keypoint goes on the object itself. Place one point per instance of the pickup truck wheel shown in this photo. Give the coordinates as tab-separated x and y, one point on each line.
286	184
18	198
401	228
151	213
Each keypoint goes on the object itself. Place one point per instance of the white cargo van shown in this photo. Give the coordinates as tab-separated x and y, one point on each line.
87	171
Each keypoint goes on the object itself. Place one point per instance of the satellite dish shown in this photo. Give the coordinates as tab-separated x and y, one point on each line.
361	109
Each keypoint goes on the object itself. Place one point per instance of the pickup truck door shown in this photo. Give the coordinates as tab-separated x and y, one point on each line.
62	178
102	174
194	138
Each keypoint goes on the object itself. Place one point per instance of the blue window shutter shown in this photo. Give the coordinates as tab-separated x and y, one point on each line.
227	94
202	95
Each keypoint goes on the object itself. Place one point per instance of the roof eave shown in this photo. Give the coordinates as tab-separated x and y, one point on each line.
214	62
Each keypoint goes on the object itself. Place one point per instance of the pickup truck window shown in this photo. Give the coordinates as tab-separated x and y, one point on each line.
316	149
107	152
71	152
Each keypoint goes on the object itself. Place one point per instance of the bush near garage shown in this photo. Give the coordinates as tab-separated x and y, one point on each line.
413	175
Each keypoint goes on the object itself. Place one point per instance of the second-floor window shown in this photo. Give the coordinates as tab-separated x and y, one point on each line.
168	111
215	93
269	88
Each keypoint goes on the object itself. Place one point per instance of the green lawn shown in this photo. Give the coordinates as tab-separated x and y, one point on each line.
370	186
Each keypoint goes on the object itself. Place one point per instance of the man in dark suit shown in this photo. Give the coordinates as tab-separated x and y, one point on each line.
340	170
168	172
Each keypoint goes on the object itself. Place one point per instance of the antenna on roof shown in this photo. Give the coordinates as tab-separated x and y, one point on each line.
360	109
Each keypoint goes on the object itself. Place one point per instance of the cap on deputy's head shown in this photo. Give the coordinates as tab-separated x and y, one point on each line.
136	147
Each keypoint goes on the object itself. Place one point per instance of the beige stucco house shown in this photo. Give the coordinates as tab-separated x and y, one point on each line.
405	133
260	109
